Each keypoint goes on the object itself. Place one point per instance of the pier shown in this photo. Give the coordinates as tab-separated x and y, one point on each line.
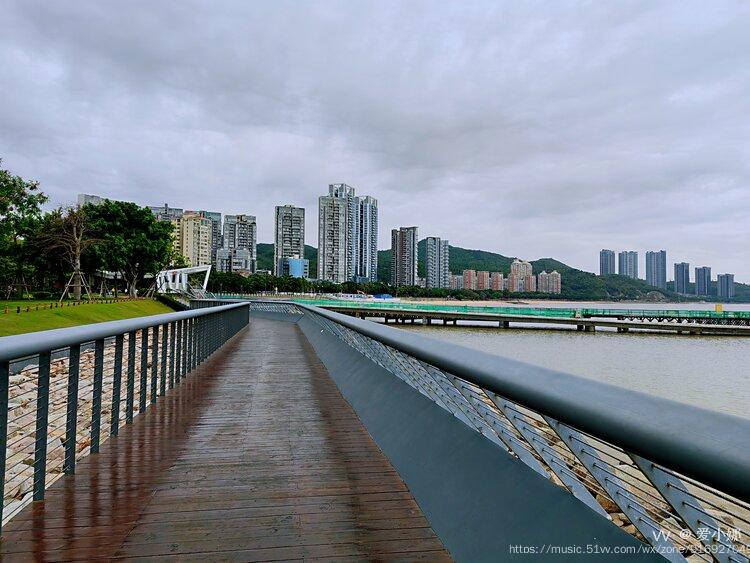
587	322
280	431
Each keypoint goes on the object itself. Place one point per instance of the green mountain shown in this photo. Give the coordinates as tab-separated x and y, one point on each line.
576	284
461	259
265	257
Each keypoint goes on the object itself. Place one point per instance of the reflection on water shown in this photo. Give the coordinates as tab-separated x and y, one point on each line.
709	371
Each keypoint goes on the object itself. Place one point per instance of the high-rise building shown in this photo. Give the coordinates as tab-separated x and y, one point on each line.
555	282
529	283
193	238
725	286
681	277
237	260
166	213
497	283
483	280
438	263
89	199
656	268
628	264
606	262
404	256
289	241
549	282
367	262
457	281
703	280
295	267
521	276
240	244
215	218
470	279
347	236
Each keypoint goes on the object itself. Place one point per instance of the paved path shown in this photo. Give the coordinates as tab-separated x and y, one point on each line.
256	456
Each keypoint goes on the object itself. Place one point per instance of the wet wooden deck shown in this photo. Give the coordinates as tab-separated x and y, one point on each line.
255	457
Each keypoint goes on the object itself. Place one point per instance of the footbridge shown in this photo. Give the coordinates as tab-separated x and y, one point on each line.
283	431
727	323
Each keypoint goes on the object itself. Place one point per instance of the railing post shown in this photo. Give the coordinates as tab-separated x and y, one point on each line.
154	361
114	415
4	383
42	419
219	334
190	344
71	414
198	341
96	401
214	332
178	352
144	371
164	349
210	334
130	393
183	352
194	344
204	337
172	347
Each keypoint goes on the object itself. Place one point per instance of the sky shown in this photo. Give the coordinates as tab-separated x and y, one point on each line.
533	129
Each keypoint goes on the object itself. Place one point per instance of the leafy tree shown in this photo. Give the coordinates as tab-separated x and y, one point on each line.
132	241
20	210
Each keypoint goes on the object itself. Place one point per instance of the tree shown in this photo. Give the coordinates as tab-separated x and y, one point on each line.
132	241
67	232
20	210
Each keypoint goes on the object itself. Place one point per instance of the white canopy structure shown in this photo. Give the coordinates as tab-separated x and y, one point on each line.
176	281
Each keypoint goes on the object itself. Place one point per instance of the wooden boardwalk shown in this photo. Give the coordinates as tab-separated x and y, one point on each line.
256	456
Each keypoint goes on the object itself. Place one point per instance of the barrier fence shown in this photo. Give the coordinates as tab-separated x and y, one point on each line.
676	477
63	392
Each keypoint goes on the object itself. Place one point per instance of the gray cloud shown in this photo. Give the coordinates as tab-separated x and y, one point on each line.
532	129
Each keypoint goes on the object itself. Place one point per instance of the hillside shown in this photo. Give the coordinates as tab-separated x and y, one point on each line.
461	259
576	284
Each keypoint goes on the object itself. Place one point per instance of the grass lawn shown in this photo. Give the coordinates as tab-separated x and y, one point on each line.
13	303
19	323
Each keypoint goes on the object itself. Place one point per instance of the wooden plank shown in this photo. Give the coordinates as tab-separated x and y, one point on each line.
255	456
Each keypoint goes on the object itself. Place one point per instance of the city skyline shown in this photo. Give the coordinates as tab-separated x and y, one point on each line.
610	259
530	135
638	258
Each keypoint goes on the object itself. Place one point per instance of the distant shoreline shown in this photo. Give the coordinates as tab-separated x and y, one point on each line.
576	304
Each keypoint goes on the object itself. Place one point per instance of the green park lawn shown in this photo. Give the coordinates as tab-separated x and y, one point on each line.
19	323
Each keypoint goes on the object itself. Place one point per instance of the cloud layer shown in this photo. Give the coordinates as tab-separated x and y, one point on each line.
532	129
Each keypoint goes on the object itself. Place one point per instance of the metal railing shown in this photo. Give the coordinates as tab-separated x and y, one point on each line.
675	476
64	391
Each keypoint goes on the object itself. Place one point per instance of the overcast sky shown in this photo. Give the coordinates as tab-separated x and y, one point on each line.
528	128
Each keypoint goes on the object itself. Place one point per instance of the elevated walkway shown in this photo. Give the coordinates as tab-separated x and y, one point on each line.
255	456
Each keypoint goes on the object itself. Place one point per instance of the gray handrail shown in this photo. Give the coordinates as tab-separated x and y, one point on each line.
708	446
29	344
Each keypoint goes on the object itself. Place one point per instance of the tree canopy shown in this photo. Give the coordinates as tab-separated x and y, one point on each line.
20	212
131	240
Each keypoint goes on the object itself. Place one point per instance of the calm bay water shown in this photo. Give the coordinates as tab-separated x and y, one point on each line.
712	372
